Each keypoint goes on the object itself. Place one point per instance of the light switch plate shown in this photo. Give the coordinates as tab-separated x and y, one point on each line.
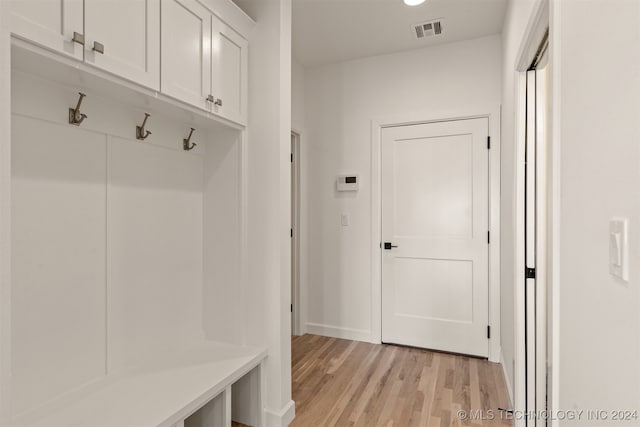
619	248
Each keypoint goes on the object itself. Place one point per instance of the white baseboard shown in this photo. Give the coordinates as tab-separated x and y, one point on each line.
339	332
507	380
281	418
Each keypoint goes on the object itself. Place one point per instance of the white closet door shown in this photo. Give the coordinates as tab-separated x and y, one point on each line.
129	33
186	51
229	71
50	24
58	242
435	204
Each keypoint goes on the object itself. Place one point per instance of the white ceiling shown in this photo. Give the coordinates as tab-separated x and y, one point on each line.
326	31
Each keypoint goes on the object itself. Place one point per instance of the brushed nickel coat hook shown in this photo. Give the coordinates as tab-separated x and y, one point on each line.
186	143
75	116
141	132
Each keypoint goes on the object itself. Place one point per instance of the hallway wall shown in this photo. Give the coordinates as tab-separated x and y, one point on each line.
341	100
596	342
516	19
599	335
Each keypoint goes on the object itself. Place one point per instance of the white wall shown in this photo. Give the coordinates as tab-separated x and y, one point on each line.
5	214
341	101
269	198
298	80
596	110
516	20
600	175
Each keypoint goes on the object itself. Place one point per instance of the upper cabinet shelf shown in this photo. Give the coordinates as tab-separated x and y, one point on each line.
204	61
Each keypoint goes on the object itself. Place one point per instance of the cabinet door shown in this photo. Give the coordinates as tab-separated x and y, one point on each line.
50	24
229	72
186	51
123	37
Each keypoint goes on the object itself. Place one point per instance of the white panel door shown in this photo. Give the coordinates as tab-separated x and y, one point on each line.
186	51
58	263
49	23
434	225
123	37
229	71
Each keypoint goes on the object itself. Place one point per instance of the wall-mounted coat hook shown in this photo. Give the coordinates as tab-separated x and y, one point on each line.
75	116
186	143
141	132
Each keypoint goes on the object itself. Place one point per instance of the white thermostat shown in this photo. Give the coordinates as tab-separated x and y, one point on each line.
350	182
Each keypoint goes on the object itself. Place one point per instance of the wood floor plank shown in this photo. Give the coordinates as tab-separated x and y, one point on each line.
347	383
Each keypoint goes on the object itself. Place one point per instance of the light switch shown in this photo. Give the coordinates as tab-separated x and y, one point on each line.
618	248
345	219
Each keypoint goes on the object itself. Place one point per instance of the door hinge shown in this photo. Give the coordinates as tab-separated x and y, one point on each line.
530	273
488	332
488	143
488	237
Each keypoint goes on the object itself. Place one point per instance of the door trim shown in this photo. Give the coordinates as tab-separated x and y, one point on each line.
492	113
545	14
295	243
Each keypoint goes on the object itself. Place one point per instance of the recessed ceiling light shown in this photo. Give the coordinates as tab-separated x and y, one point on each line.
413	2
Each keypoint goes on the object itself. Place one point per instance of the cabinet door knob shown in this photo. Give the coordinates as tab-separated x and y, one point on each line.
98	47
218	102
78	38
210	98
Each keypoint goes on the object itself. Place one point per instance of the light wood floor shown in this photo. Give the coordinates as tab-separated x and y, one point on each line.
347	383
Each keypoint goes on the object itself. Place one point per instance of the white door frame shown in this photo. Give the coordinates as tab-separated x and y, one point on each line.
545	14
295	242
492	113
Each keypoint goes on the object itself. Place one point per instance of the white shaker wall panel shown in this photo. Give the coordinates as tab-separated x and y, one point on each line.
222	292
154	241
58	259
50	24
186	51
129	31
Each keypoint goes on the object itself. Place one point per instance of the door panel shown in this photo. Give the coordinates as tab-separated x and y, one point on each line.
228	72
435	210
433	187
186	51
49	23
449	297
130	33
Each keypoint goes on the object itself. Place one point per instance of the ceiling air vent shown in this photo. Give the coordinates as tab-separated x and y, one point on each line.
427	29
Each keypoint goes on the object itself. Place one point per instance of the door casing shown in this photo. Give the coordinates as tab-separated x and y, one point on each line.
492	113
296	308
544	16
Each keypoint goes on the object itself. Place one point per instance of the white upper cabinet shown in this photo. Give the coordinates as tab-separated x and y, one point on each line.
123	37
204	61
50	24
183	48
186	51
118	36
228	72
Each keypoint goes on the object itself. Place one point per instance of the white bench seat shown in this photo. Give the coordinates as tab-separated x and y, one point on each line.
159	393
